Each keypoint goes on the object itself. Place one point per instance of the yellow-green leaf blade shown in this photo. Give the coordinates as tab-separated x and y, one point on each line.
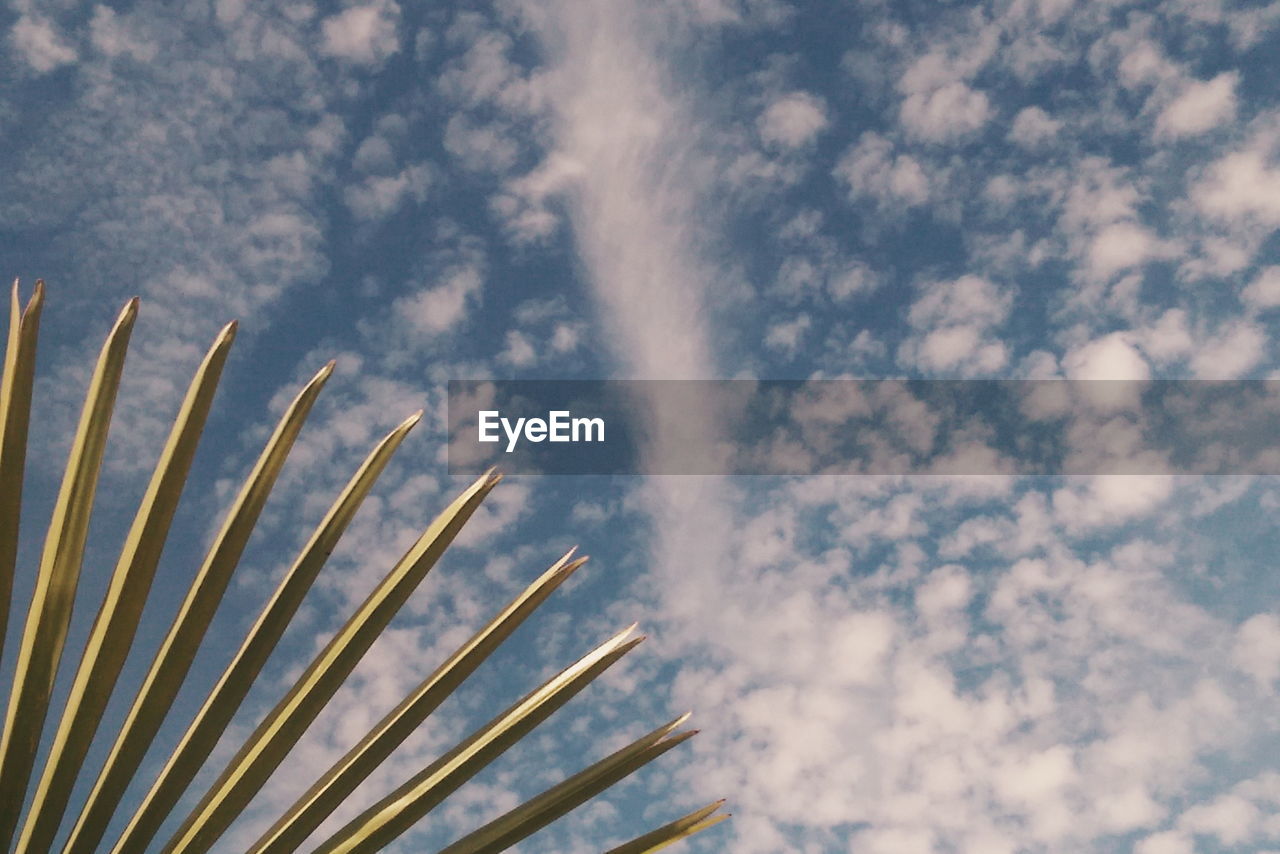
669	834
223	701
267	746
306	814
173	660
51	602
116	623
379	825
539	811
15	418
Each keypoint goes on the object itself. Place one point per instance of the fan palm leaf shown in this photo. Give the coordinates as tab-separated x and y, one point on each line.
41	644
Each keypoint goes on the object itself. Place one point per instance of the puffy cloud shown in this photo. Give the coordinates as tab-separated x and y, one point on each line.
1099	194
786	336
378	196
1033	127
1232	819
968	299
114	38
792	120
485	73
950	111
939	105
1121	246
1242	186
1200	107
955	347
1111	357
362	35
1109	500
480	147
39	44
1168	338
1236	349
519	351
954	322
1264	291
871	168
1257	649
436	310
1145	63
1166	842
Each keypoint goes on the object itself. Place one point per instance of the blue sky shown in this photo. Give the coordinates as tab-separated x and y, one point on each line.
698	189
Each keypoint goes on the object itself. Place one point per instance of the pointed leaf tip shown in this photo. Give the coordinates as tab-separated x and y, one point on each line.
128	314
36	302
322	375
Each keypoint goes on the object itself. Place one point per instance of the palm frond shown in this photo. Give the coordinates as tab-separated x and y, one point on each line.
112	633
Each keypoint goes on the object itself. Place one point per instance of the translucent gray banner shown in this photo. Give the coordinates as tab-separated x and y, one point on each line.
883	427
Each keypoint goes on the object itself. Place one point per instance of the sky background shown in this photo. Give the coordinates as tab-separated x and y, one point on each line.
694	189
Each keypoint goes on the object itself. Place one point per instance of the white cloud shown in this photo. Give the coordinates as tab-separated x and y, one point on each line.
1079	703
1264	291
944	592
786	336
1256	651
379	196
792	120
948	112
39	44
1230	818
968	299
1168	339
375	154
526	203
1111	357
566	337
1144	64
855	280
1241	186
1121	246
1166	842
1231	353
480	147
436	310
939	104
519	351
953	348
1098	195
1108	500
363	35
1033	127
110	35
871	168
1202	106
954	322
485	73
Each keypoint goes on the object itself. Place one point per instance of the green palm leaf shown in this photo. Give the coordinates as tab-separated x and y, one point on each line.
113	630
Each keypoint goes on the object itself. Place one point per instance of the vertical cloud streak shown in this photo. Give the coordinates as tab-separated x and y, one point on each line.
637	177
